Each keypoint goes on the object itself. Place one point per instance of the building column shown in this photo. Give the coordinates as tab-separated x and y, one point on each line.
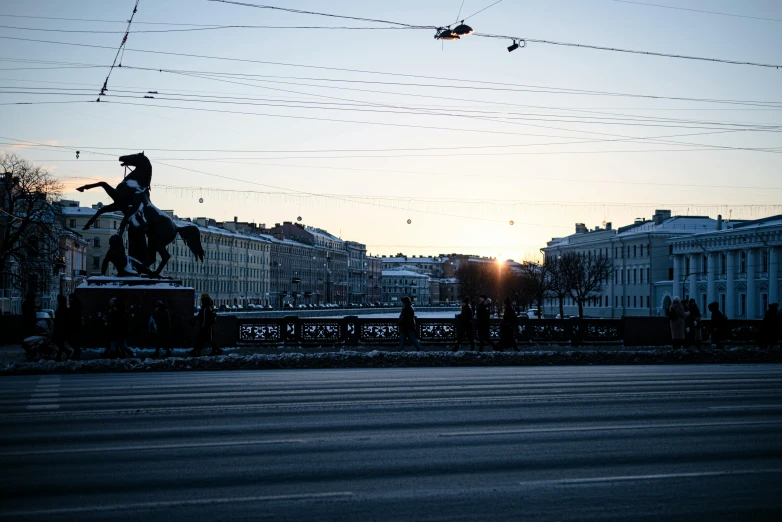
676	287
773	275
694	275
711	287
730	284
752	294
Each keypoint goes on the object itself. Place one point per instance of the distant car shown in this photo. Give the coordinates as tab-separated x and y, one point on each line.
532	314
42	315
268	307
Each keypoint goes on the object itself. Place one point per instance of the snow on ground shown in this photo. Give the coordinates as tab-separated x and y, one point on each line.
449	314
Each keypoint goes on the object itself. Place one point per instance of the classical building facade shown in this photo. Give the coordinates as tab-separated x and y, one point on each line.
640	256
433	266
399	282
97	237
374	279
357	272
736	266
71	267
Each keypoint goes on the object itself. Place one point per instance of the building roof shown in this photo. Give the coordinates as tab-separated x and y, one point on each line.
401	272
414	259
672	225
86	212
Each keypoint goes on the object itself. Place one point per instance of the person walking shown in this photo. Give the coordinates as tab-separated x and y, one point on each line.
407	325
719	325
692	324
61	334
508	327
76	325
464	326
160	325
206	319
770	326
483	320
118	330
28	315
676	315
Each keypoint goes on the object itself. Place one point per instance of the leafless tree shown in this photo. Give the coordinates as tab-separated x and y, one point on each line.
559	285
585	276
30	223
538	282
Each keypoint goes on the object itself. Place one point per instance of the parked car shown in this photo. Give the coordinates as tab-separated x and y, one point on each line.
532	313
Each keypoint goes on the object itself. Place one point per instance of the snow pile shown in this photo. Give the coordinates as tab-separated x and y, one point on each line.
383	359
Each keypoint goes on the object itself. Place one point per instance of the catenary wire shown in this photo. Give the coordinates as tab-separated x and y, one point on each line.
213	28
121	47
699	11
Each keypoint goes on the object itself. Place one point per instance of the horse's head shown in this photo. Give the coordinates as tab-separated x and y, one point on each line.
143	171
134	160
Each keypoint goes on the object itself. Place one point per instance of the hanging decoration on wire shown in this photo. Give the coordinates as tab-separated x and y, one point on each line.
200	200
298	219
510	222
409	221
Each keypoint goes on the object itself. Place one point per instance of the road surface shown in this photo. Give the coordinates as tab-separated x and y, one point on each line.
561	443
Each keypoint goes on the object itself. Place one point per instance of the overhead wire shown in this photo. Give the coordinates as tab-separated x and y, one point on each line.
699	11
211	28
121	47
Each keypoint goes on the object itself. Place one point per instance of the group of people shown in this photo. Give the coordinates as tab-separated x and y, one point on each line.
686	329
465	330
67	333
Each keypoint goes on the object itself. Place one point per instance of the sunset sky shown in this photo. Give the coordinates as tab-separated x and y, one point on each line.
357	131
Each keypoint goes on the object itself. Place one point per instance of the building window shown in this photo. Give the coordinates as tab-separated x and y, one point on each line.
642	250
635	251
742	304
764	302
616	301
641	275
635	276
723	264
670	274
73	223
96	242
743	262
96	262
647	302
606	301
705	264
722	303
635	302
764	262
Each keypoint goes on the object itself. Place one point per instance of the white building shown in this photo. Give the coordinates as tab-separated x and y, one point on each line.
641	260
737	266
398	282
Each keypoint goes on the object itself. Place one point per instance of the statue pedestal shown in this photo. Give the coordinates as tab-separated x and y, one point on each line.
138	296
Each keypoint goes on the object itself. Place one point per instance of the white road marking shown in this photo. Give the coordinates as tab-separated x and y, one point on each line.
46	394
656	476
149	447
605	428
174	504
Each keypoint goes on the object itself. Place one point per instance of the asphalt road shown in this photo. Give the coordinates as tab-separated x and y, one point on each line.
561	443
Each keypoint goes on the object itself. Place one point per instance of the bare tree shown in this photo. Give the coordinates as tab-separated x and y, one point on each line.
30	223
585	275
536	276
559	285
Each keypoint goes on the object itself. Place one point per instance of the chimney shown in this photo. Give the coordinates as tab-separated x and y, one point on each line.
638	221
719	222
200	221
236	219
608	226
660	216
581	228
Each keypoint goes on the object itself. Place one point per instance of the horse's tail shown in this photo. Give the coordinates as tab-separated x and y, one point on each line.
192	238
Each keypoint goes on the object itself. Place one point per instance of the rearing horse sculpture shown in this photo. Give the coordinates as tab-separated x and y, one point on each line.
151	230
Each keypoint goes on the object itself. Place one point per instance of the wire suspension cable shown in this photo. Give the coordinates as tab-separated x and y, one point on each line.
116	56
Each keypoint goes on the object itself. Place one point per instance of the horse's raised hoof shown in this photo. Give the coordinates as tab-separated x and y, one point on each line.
86	227
80	189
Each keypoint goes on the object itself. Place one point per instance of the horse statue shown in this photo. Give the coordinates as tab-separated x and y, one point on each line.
152	229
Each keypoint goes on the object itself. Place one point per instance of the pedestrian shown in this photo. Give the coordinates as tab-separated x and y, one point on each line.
464	326
483	321
76	325
28	315
61	333
407	325
118	330
160	325
693	324
719	325
206	319
508	327
676	315
770	326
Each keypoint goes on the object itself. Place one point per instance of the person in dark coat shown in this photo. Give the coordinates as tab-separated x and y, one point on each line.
676	315
160	323
692	324
118	330
76	325
508	327
28	315
719	325
61	331
206	319
770	326
407	325
483	320
464	326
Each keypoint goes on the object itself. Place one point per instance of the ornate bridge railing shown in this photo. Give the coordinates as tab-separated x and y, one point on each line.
368	331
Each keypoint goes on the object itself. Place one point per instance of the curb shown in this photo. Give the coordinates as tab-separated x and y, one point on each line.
381	359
